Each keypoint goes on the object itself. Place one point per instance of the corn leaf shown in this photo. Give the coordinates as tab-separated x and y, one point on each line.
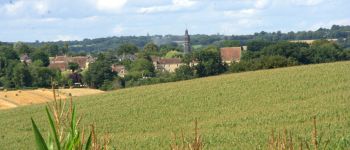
88	142
40	142
53	129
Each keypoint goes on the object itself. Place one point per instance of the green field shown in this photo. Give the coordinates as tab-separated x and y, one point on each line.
234	111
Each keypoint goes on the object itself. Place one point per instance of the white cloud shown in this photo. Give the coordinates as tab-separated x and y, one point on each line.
307	2
66	38
241	13
176	5
110	5
260	4
41	7
13	8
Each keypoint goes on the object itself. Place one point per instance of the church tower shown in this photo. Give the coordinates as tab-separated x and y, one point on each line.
187	43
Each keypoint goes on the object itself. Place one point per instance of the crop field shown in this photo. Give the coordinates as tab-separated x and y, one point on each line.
12	99
234	111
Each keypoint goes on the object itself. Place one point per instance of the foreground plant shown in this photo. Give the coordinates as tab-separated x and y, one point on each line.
196	144
65	132
286	141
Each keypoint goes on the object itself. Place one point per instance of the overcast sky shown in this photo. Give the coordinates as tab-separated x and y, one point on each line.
52	20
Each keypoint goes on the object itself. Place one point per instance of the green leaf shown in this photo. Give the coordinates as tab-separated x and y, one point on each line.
73	120
40	142
88	142
53	129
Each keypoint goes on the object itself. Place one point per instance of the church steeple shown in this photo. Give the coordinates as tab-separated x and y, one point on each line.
187	43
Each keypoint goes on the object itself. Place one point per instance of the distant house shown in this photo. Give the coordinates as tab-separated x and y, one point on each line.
120	69
230	54
166	64
25	58
61	62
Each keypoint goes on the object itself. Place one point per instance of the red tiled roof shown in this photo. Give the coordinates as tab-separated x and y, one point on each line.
170	61
61	66
81	61
230	53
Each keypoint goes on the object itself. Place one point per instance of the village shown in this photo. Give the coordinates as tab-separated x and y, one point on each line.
228	56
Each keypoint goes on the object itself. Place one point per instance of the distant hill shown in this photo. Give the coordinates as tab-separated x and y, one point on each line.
235	111
100	44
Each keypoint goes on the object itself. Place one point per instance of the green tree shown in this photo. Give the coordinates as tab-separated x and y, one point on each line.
184	72
142	68
51	50
151	48
229	43
173	54
127	48
99	72
209	62
257	45
21	76
73	66
42	56
22	48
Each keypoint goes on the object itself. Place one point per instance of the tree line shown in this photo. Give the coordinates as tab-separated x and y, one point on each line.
342	33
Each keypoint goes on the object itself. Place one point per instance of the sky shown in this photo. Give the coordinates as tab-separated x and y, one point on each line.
54	20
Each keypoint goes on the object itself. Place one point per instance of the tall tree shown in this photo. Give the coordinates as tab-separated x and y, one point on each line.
151	48
99	72
42	56
127	48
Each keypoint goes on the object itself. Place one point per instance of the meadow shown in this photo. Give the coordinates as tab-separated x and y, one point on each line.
234	111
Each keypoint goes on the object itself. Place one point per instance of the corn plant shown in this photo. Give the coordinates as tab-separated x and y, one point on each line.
285	141
65	133
196	144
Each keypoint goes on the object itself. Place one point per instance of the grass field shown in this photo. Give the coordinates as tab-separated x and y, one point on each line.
12	99
234	111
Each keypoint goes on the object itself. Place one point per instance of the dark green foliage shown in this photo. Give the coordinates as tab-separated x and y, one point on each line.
22	48
151	49
51	49
209	62
229	43
41	76
184	72
264	62
22	76
257	45
127	48
117	83
99	72
140	68
42	56
8	53
73	66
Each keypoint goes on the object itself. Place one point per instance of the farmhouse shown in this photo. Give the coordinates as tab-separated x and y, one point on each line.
61	62
25	59
230	54
120	69
166	64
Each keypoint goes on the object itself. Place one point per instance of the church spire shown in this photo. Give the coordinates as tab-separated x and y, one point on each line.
187	43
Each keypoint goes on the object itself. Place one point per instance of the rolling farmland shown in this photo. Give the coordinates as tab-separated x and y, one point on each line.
234	111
